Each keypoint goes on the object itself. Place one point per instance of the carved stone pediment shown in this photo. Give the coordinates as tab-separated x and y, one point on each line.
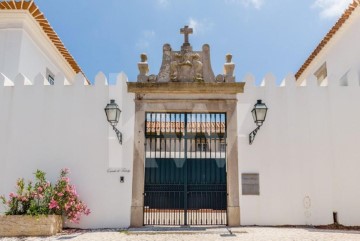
186	65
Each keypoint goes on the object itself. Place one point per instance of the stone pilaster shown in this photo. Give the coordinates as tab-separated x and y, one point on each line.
137	201
232	168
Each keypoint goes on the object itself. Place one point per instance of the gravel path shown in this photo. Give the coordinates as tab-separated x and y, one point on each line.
201	234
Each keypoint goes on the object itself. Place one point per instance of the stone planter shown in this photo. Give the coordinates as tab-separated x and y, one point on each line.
26	225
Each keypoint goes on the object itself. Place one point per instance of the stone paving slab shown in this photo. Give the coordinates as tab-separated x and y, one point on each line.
180	230
202	234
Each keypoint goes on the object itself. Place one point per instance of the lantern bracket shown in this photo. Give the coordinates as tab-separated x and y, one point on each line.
253	134
118	134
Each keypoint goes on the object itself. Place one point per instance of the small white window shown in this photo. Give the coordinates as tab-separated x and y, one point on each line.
50	77
321	75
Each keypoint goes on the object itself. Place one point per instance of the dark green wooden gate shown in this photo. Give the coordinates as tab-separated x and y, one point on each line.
185	169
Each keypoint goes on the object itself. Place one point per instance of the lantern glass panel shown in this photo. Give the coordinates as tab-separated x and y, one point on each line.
118	111
261	113
253	112
111	114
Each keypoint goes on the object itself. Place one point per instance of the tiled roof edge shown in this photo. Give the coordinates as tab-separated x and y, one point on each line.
35	12
344	17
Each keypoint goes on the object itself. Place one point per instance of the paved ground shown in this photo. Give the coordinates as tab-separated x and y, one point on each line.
204	234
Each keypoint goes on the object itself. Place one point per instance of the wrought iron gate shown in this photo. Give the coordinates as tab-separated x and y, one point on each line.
185	169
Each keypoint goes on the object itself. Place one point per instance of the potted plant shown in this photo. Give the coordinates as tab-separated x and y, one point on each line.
38	209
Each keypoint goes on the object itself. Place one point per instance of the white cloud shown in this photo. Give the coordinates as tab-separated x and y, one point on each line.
200	26
247	3
145	39
331	8
194	24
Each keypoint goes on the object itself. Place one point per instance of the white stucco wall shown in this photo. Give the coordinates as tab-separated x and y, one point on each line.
10	42
23	55
341	53
26	49
306	151
33	60
52	127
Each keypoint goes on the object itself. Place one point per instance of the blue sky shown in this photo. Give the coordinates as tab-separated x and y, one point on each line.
262	35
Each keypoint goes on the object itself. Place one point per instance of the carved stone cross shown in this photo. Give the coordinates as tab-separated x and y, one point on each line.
186	31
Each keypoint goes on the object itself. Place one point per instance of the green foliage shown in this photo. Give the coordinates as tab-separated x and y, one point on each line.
42	198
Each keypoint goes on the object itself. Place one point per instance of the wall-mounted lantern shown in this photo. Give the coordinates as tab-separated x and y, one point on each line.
259	115
113	114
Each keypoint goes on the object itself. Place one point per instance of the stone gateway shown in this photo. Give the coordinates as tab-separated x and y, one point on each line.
178	124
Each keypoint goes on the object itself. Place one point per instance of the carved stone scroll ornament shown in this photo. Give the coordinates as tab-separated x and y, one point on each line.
198	67
186	66
220	78
153	78
173	70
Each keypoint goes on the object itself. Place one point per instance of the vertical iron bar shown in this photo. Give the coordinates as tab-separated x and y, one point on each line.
176	138
156	214
201	213
167	206
165	142
206	135
155	140
160	144
196	142
211	136
216	135
216	210
185	171
179	207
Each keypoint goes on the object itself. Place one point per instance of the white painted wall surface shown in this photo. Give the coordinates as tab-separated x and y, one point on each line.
10	42
52	127
33	60
22	55
26	49
307	147
341	53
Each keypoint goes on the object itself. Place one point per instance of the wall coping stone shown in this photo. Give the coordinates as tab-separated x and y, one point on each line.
185	87
27	225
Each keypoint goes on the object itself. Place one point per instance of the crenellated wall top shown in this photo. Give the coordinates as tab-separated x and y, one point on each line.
350	79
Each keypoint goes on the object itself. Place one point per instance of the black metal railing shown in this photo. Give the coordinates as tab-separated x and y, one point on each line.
167	208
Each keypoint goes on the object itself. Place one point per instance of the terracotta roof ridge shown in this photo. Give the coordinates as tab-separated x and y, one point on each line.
40	18
352	6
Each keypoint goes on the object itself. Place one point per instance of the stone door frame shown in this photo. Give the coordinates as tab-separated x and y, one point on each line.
152	103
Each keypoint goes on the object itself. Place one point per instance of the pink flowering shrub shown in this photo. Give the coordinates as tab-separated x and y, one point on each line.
42	198
65	199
